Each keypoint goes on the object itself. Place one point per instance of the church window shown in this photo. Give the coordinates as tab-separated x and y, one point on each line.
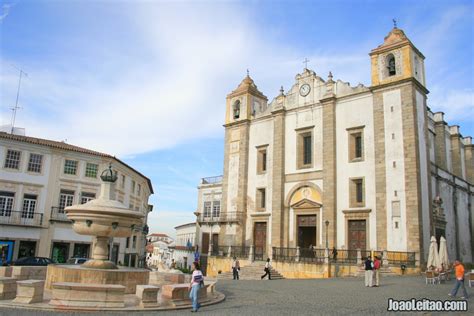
356	187
262	159
356	144
207	209
391	65
261	199
305	149
236	109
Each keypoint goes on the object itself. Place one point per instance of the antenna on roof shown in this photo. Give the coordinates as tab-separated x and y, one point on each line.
16	107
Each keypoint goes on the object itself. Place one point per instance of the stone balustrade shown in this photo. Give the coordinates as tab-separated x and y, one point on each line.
29	291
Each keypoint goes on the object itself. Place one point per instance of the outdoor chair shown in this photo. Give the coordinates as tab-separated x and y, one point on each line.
431	278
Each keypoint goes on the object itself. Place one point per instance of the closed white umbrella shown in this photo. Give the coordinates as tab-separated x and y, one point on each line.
443	254
433	256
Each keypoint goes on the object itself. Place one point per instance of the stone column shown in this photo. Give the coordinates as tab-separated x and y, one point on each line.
229	251
359	257
326	256
297	259
329	167
251	254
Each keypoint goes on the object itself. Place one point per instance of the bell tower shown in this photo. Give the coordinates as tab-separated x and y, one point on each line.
240	110
402	168
397	59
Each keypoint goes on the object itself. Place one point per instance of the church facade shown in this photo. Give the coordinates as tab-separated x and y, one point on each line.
325	164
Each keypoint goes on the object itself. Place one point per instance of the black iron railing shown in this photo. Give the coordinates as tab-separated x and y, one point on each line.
283	254
343	256
211	180
21	218
227	217
400	257
221	251
240	251
58	214
312	255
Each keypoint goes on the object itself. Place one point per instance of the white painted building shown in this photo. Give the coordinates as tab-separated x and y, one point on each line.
162	250
185	245
39	178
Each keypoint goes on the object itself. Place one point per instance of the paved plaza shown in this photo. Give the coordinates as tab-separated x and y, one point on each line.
302	297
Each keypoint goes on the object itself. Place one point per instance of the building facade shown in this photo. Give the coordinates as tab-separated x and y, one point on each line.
39	178
185	245
331	165
162	247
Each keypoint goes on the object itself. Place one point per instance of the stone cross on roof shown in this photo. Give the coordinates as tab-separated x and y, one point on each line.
305	62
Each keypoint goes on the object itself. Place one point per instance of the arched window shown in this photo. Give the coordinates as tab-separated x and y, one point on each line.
391	65
236	109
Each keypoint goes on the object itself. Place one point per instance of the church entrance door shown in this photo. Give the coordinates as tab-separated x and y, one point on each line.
260	240
306	231
357	236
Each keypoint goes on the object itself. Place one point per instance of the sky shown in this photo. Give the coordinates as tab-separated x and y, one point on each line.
147	80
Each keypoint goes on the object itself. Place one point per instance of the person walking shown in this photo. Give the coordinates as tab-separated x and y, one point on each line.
368	265
267	270
377	265
197	281
459	273
235	268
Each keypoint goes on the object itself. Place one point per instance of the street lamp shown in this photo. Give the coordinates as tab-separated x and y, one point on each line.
327	225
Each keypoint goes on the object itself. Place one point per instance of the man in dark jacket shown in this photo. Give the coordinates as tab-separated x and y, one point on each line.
369	266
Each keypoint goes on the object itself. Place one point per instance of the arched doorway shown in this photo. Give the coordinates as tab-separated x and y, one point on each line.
305	216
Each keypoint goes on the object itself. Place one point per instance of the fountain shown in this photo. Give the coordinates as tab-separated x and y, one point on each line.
101	218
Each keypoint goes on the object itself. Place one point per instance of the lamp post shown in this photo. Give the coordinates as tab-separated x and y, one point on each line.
327	242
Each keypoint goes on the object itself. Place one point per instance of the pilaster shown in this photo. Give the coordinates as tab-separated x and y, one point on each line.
278	178
380	175
469	159
329	168
440	140
456	148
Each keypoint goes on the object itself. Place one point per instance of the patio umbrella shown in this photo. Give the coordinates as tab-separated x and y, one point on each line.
443	254
433	256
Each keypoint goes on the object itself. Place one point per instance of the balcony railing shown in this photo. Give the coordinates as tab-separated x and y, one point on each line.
218	217
211	180
304	255
21	218
58	214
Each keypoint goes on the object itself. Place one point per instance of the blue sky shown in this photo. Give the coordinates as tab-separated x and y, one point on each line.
158	72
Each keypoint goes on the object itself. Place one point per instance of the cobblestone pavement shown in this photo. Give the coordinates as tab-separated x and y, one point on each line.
303	297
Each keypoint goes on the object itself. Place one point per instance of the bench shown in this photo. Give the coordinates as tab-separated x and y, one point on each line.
181	291
87	295
29	291
211	286
7	288
147	295
5	272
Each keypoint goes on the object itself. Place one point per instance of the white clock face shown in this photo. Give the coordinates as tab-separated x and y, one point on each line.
305	89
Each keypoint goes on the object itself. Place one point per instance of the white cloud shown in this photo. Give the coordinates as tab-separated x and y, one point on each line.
5	11
164	221
458	105
178	95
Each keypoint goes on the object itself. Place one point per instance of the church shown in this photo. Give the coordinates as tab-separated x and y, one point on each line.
326	164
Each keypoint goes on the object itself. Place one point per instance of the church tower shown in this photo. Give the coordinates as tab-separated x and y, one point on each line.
401	152
241	106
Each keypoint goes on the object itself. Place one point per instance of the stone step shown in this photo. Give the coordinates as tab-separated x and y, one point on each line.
251	272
